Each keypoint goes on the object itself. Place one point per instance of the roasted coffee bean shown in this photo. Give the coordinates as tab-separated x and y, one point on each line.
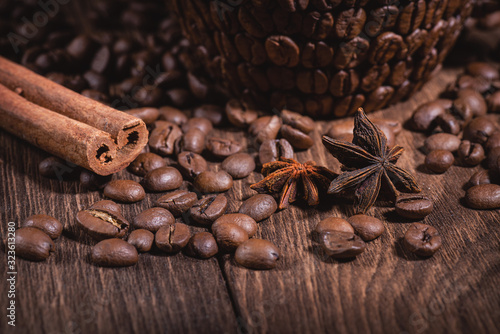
344	83
214	113
413	206
33	244
148	115
51	226
494	102
145	163
208	209
442	141
385	47
172	239
163	137
449	123
349	23
222	148
191	164
341	245
141	239
239	165
239	114
114	253
202	245
177	202
153	219
483	197
229	236
422	239
173	115
282	51
93	181
374	77
312	81
213	182
103	220
272	150
424	117
478	84
163	179
246	222
297	121
492	159
493	141
265	128
484	70
471	154
439	161
202	124
316	54
259	207
57	168
192	141
296	138
367	227
482	177
257	254
480	129
473	100
126	191
333	224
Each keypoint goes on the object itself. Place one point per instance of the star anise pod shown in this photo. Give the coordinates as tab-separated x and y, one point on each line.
369	163
288	178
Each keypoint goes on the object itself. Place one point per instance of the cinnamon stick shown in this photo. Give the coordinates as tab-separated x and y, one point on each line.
67	124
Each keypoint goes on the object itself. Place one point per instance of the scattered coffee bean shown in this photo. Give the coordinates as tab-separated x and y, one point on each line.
257	254
480	129
51	226
246	222
126	191
191	164
103	220
148	115
265	128
114	253
208	209
173	115
473	101
177	202
333	224
162	138
153	219
341	245
146	162
439	161
202	124
213	182
482	177
483	197
222	148
172	239
239	115
471	154
192	141
367	227
33	244
422	239
413	206
259	207
423	119
297	121
442	141
141	239
296	138
272	150
93	181
239	165
229	236
163	179
202	245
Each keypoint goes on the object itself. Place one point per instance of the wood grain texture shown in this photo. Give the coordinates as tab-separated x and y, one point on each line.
385	290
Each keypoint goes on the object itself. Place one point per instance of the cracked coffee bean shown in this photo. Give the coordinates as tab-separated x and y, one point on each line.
33	244
257	254
141	239
191	164
265	128
177	202
103	220
272	150
126	191
208	209
471	154
341	245
114	253
51	226
162	138
153	219
172	239
422	239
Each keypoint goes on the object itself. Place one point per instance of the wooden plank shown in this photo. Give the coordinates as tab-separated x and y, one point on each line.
386	289
67	294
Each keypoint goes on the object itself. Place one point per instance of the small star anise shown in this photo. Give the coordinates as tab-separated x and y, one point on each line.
369	161
288	177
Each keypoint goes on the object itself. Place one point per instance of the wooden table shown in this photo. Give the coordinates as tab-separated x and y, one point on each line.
384	290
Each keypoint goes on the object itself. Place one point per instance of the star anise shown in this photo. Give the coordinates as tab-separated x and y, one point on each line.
288	177
369	163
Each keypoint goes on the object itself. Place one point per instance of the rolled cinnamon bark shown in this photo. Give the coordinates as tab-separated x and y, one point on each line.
66	124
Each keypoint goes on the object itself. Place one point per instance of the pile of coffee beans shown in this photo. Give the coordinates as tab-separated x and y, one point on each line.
463	129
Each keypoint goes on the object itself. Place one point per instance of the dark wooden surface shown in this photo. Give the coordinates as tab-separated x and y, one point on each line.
385	290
